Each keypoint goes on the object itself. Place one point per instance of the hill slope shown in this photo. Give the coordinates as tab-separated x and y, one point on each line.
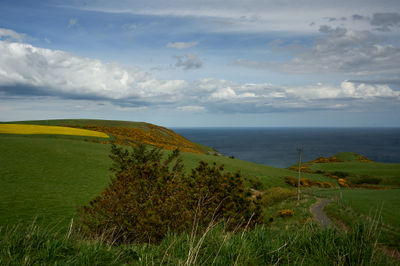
49	175
124	131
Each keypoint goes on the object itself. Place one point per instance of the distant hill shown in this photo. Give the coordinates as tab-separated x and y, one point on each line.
124	131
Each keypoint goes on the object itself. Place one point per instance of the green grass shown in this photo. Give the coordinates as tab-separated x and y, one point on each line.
49	176
303	245
389	172
267	175
366	201
358	205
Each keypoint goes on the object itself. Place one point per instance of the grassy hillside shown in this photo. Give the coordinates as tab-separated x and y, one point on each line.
123	132
51	175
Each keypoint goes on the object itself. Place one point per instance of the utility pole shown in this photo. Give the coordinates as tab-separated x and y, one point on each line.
298	180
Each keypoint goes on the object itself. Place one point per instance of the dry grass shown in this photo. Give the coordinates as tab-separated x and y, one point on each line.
51	130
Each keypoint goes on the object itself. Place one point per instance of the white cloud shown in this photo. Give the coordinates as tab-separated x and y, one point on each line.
27	71
191	108
188	61
10	35
181	45
58	72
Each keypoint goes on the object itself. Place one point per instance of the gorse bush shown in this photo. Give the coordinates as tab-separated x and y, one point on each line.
222	195
277	194
150	196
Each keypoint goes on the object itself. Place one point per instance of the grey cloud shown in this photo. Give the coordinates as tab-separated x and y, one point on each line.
386	19
340	50
188	61
358	17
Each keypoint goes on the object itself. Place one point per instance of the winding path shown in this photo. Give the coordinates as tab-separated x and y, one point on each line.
317	210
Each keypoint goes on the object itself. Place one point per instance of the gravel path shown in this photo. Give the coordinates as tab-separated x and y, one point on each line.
317	210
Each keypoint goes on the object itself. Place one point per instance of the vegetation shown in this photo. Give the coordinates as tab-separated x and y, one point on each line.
304	245
304	182
130	132
60	173
35	129
49	176
148	195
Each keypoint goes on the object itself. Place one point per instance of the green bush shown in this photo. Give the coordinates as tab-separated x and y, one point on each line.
277	194
150	197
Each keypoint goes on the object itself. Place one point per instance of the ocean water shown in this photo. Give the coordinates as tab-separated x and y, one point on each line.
278	146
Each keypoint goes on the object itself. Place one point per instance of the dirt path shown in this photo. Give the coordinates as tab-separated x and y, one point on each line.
317	210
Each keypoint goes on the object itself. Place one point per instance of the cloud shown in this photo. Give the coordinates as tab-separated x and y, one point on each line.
188	61
342	51
10	35
358	17
129	27
27	69
191	108
29	72
181	45
385	21
248	16
73	22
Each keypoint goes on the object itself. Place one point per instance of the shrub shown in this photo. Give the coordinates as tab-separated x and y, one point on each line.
286	213
276	194
149	197
222	195
143	201
342	182
304	182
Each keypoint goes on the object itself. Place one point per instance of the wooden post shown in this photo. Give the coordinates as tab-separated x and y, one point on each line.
298	180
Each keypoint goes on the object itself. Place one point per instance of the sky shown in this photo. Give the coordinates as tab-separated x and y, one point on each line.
202	63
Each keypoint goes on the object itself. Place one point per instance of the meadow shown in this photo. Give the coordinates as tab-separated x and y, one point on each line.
49	176
44	178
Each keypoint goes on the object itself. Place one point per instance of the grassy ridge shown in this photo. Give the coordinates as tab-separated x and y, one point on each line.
124	131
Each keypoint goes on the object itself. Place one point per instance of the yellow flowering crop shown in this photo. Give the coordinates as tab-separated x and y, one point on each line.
36	129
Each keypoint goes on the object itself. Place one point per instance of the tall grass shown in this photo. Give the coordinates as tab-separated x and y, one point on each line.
304	245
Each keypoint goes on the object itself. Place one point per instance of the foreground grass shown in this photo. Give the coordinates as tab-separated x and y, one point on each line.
305	245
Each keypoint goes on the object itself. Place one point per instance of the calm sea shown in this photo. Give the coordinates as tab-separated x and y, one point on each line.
278	146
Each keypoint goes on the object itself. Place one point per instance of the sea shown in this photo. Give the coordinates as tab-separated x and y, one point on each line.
278	147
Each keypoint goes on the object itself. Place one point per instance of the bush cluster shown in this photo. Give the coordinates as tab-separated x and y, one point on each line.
304	182
277	194
150	196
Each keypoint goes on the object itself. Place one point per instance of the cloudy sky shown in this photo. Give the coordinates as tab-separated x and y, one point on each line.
183	63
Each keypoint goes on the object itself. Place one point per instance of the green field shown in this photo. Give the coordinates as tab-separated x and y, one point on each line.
49	176
370	201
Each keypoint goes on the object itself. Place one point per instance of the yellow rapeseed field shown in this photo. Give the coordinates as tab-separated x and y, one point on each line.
35	129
